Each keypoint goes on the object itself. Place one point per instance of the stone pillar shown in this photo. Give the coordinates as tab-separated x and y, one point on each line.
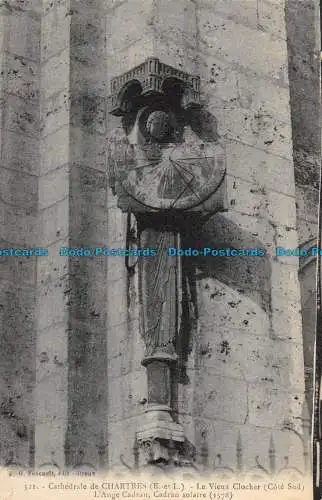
19	152
71	388
53	271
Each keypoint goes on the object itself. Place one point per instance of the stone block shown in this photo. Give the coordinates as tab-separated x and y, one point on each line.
259	129
90	183
130	57
92	269
54	223
88	150
21	116
177	22
220	34
245	230
17	270
22	77
19	194
222	398
121	438
49	439
52	354
125	354
286	237
117	338
52	304
52	266
263	15
116	225
32	6
117	302
284	281
230	289
20	153
127	23
86	300
53	187
125	394
116	268
281	209
239	11
89	222
18	322
88	111
253	199
226	86
182	55
24	35
274	406
247	197
54	150
286	319
307	203
55	113
250	357
55	29
18	228
271	18
88	70
51	393
184	402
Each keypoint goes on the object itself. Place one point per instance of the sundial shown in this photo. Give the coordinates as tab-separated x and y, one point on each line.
163	157
169	176
165	164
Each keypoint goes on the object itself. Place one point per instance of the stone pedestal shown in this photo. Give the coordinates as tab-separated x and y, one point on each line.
159	436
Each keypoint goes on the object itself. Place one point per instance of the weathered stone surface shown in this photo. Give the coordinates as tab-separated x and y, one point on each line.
273	406
125	395
229	88
55	28
53	187
55	74
263	15
55	113
20	153
218	34
77	319
24	35
129	18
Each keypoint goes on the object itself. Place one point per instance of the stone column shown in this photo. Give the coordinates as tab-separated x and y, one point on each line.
160	299
19	152
71	385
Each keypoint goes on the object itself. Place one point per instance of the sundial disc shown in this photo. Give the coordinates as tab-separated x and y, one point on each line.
175	176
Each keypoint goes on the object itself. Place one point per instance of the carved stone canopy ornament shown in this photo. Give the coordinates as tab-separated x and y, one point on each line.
166	155
150	78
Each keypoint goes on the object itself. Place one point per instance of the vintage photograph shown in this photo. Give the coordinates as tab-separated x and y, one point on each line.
160	289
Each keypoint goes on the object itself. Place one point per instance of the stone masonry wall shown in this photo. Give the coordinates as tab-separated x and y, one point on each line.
245	370
304	33
73	388
19	169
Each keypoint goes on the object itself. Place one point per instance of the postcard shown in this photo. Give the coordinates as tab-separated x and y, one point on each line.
160	303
